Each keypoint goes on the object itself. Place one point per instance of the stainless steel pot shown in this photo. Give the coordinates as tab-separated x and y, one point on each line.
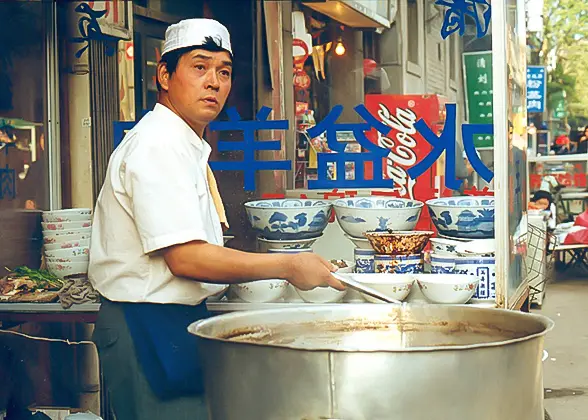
355	362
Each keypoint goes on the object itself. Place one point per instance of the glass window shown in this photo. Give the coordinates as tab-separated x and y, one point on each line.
24	180
412	21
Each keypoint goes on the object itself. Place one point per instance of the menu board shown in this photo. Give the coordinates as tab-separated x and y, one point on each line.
477	70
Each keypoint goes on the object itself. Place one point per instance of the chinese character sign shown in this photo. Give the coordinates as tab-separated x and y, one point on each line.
457	11
536	85
90	29
479	93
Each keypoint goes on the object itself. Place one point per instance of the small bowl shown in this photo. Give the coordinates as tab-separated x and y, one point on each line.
67	215
67	236
81	259
60	226
288	251
397	286
62	270
68	253
463	217
399	243
361	243
448	288
264	245
73	243
443	246
322	295
261	291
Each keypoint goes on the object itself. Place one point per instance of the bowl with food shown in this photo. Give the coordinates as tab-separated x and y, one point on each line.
397	286
448	288
463	217
362	214
289	218
261	291
398	243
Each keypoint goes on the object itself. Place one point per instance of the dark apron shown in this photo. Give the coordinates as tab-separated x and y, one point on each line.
166	351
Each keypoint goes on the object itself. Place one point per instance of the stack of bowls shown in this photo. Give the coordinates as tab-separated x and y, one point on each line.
66	239
466	241
359	215
288	223
399	252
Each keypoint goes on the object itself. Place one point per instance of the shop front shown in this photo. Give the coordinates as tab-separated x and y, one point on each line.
392	176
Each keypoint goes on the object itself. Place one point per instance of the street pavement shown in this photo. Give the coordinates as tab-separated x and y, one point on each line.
566	367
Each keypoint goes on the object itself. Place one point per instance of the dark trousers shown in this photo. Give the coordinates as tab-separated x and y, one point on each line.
128	390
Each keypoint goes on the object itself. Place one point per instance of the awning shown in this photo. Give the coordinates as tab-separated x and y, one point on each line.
357	13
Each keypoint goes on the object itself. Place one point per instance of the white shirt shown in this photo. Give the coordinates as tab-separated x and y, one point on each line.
155	195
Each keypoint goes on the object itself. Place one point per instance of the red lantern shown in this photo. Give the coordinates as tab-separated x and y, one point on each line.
301	80
369	66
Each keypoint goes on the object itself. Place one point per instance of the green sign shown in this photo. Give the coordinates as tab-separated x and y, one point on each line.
559	111
477	72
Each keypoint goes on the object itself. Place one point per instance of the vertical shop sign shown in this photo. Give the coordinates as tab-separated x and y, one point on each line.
536	85
479	93
457	11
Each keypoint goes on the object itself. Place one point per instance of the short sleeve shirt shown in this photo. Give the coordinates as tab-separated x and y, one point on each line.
155	195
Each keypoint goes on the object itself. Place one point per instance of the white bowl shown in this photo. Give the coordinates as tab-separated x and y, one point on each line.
80	259
442	246
59	226
322	295
397	286
69	252
67	269
463	217
67	236
477	248
448	288
289	218
361	214
361	243
261	291
67	215
288	251
72	243
264	245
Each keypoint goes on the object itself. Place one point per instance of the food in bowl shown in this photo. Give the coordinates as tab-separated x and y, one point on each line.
343	266
399	243
362	214
322	295
289	219
463	217
261	291
448	288
397	286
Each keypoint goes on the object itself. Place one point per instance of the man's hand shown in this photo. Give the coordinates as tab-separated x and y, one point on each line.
309	270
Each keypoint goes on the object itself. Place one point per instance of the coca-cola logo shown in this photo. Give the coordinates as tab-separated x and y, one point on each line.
402	155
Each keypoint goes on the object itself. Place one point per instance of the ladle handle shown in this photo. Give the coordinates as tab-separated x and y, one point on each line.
348	281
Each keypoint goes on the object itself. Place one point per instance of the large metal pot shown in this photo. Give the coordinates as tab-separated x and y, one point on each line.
354	362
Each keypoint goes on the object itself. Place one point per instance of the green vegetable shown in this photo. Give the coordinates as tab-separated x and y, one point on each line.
42	278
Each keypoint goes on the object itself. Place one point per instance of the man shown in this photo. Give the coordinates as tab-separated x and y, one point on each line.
156	252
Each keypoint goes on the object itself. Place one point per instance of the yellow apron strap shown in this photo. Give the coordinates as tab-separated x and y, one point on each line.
216	198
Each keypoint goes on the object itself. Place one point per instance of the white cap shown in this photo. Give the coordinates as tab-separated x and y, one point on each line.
194	32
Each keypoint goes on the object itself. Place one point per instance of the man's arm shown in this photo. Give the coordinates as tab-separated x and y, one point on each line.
205	262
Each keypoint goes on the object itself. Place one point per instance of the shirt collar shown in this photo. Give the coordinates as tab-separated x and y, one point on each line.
174	118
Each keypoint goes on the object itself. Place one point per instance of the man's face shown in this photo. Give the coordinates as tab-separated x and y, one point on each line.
199	87
542	203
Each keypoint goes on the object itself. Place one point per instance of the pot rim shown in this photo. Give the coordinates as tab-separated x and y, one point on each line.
198	325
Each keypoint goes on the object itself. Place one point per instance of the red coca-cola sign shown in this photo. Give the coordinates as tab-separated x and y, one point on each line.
406	146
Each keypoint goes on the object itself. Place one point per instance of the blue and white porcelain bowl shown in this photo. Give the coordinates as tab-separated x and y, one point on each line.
361	214
264	245
289	218
463	217
398	264
483	268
